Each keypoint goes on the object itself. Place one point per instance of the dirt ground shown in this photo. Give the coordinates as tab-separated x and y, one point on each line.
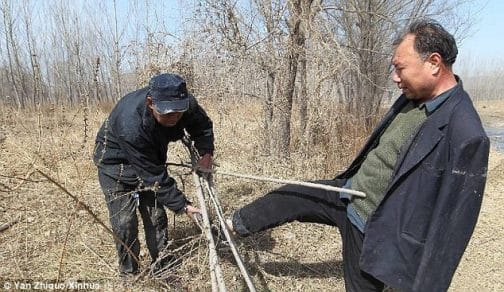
53	239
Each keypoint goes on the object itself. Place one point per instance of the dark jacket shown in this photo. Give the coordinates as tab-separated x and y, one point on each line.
416	237
131	146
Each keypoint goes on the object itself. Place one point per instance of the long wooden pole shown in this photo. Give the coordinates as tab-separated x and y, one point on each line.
215	271
292	182
279	180
213	196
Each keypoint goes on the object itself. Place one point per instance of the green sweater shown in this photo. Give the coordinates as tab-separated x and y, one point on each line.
375	172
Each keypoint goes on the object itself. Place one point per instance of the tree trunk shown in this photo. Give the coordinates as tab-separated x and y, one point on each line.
268	112
282	110
303	94
117	57
11	53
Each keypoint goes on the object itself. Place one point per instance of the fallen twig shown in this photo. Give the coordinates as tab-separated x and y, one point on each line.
69	227
8	225
90	212
113	270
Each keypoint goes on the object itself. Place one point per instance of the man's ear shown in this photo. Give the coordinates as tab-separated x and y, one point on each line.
435	61
148	102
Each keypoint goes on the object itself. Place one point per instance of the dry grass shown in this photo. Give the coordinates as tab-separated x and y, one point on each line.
56	239
492	111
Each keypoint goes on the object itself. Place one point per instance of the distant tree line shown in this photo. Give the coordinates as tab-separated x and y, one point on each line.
482	79
289	55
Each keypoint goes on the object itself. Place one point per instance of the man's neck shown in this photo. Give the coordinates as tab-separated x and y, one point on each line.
447	81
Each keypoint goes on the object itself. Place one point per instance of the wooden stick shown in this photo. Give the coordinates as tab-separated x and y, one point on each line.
8	225
213	196
215	271
279	180
90	212
113	270
292	182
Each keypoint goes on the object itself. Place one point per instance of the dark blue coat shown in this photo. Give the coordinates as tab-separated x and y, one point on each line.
417	235
131	146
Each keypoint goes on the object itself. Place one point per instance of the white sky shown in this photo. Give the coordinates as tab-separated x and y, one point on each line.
486	43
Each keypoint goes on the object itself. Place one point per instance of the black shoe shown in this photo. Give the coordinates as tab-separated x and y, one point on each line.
168	262
219	236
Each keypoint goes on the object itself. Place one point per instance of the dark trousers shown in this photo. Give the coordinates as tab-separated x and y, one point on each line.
122	206
297	203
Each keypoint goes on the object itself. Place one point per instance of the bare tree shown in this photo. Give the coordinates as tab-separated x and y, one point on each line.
32	52
295	50
16	74
366	28
274	40
117	54
289	54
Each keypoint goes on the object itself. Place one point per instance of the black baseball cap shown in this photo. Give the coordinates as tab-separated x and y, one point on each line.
169	93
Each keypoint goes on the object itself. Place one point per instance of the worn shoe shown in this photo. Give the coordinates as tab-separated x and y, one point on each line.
168	262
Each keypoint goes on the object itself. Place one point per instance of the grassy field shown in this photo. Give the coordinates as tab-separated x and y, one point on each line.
53	238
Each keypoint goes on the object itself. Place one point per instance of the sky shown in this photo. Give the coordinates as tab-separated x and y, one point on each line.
486	40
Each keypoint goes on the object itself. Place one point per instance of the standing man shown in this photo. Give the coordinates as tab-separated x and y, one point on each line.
131	150
423	170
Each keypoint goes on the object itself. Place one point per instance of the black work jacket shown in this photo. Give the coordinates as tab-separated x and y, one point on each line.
131	146
416	237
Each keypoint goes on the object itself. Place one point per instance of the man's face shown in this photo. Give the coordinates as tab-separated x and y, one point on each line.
166	120
413	74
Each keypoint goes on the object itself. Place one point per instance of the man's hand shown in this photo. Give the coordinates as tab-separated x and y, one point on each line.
204	165
195	214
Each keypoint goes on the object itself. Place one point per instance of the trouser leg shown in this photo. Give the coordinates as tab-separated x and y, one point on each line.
122	214
356	280
155	224
290	203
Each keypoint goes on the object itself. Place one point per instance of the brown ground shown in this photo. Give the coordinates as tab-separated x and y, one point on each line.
57	239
